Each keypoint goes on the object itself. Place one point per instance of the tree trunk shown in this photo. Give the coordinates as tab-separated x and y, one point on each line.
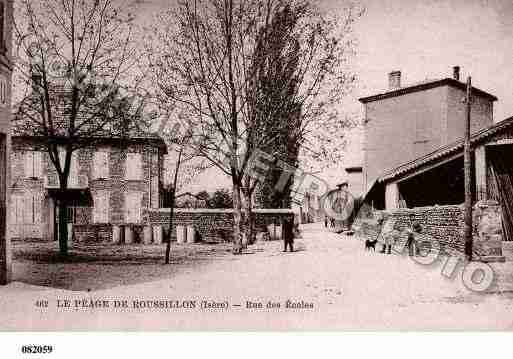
249	218
63	216
173	199
237	219
63	229
171	214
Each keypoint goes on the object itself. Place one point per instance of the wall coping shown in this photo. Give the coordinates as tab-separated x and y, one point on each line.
424	208
218	210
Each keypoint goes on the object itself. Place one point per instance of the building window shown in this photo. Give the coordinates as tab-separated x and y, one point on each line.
101	207
26	208
133	201
33	164
101	165
133	166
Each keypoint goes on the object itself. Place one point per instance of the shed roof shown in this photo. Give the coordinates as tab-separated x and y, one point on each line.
447	150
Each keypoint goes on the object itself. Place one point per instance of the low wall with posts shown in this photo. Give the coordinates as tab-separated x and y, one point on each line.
212	225
445	225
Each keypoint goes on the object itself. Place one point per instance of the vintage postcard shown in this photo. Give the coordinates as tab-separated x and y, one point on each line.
268	165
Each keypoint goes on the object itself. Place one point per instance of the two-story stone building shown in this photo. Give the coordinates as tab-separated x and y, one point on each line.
110	183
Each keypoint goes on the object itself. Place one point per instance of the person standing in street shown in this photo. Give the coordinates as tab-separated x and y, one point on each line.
389	236
411	242
288	234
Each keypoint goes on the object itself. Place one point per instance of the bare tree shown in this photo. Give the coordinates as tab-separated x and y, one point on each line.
73	57
187	163
209	57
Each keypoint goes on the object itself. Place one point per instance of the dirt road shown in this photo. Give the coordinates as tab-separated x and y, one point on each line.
329	283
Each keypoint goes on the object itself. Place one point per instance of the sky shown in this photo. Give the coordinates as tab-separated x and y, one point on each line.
423	39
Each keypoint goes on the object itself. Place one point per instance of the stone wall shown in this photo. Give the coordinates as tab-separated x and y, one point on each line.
92	232
443	224
212	225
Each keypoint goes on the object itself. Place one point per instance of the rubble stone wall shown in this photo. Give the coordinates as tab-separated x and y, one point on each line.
212	225
443	224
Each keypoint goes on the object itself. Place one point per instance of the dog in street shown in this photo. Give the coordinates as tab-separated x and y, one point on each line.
370	244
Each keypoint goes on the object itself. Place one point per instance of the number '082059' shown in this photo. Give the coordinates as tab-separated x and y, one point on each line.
36	349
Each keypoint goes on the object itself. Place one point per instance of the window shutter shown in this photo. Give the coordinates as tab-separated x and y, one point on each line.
37	209
101	208
17	210
133	207
29	164
105	213
38	164
97	209
101	164
28	209
73	170
133	166
105	164
96	165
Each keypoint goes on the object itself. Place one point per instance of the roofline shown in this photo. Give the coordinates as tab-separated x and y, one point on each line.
156	141
446	150
426	86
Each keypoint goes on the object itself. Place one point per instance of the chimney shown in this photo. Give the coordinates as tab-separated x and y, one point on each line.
456	73
394	80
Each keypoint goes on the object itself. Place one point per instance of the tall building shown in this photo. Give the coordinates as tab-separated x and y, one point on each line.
6	24
408	122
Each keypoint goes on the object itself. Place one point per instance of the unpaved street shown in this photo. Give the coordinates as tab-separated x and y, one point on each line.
331	281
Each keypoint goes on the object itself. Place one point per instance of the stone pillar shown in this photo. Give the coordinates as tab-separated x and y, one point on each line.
147	234
480	173
49	219
487	232
70	234
191	234
116	234
157	234
181	234
129	235
391	196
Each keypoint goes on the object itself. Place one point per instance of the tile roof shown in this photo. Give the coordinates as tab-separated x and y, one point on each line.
58	93
447	150
425	85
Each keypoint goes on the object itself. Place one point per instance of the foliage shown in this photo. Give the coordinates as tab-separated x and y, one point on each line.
221	198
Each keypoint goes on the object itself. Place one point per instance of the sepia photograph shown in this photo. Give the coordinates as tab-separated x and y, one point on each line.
255	165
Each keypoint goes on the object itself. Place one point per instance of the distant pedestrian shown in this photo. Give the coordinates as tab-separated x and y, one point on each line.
326	221
288	234
332	222
411	242
389	235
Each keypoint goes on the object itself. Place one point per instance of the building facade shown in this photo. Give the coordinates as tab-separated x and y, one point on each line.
6	66
112	182
405	123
